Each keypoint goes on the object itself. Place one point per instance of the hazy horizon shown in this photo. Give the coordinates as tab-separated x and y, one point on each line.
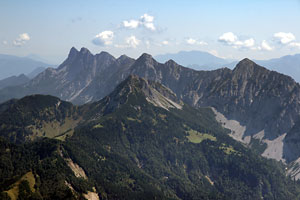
227	29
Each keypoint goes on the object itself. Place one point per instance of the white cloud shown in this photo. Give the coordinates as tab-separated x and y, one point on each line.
131	42
265	46
192	41
104	38
150	26
249	43
145	21
228	38
147	18
284	38
132	24
231	39
24	36
21	40
165	42
295	44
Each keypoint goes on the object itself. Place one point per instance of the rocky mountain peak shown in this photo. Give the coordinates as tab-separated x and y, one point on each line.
84	51
246	68
245	64
145	58
171	62
73	53
135	87
105	58
246	61
144	64
104	54
125	59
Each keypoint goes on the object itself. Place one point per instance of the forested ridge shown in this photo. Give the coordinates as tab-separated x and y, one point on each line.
129	148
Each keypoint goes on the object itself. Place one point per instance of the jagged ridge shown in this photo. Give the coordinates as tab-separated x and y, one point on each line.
261	100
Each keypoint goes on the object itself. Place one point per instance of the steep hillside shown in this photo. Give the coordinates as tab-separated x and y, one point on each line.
76	74
259	106
38	116
139	142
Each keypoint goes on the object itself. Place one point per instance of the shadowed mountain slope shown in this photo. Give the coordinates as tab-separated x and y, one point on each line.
139	142
258	105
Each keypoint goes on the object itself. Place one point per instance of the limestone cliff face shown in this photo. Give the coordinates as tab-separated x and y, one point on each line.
74	80
259	98
265	102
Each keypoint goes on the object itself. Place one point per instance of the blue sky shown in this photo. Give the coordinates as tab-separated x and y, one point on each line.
259	29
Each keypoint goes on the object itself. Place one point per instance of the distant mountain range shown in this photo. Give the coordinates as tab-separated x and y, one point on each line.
139	142
198	60
288	65
32	64
14	65
21	79
14	81
35	72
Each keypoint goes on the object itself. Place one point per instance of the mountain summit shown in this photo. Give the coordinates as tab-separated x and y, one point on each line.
247	68
264	105
136	88
139	142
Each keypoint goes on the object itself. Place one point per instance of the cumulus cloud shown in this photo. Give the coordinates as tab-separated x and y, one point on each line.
265	46
228	38
131	42
192	41
104	38
249	43
231	39
21	40
295	44
145	21
132	24
284	38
